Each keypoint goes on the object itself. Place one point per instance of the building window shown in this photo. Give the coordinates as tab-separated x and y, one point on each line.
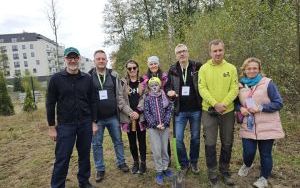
3	49
17	64
31	46
32	54
34	70
25	64
37	62
15	56
7	73
23	47
1	40
17	72
14	48
24	56
14	40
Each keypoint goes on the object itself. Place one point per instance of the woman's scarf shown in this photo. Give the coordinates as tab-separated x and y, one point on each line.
251	81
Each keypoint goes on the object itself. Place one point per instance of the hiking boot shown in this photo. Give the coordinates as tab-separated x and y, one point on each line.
123	167
194	168
185	169
159	179
168	173
143	167
135	167
86	185
227	179
99	176
244	170
214	183
261	182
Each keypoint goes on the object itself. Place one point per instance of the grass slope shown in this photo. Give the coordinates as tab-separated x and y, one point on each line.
27	156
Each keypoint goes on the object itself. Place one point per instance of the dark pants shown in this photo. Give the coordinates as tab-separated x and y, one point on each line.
265	152
67	136
133	136
211	126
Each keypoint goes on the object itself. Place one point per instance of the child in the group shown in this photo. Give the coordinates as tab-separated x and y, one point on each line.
158	112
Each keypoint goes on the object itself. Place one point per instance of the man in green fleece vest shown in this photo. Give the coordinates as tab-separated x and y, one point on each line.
218	86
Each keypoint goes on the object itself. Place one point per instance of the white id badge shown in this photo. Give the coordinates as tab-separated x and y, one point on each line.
185	90
103	94
250	103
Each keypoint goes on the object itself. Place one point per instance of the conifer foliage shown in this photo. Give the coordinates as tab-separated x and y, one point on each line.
29	104
6	106
18	84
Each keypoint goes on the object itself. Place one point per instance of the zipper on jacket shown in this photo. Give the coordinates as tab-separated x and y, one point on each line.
157	107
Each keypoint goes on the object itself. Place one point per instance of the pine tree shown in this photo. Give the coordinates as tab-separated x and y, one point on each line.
29	104
6	106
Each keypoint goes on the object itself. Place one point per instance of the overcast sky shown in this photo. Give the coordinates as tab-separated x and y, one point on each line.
80	21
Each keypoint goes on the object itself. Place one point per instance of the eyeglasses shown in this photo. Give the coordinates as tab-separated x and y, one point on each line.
131	68
69	58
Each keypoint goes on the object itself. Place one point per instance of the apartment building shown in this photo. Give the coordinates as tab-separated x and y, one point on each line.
33	53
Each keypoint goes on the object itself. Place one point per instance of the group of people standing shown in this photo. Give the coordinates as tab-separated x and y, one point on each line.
190	92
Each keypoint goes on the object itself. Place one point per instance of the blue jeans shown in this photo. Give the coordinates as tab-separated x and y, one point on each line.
67	136
181	120
112	124
265	152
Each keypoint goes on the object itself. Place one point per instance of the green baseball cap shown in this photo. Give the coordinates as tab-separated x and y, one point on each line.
71	50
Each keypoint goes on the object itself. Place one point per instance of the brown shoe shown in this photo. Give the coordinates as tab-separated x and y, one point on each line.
227	179
123	167
99	176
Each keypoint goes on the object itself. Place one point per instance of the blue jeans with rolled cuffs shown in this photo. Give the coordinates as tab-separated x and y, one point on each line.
113	127
181	120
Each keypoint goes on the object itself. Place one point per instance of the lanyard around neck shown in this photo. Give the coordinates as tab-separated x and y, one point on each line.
184	76
252	91
101	83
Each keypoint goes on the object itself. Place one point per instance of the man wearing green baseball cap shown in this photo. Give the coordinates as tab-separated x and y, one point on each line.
70	50
70	95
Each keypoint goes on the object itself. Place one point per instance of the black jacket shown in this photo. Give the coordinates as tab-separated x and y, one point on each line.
173	82
73	96
116	82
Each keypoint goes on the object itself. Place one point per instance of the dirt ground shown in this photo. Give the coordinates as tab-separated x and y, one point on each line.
27	156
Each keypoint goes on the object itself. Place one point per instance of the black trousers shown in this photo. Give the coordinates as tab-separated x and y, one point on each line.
67	136
140	137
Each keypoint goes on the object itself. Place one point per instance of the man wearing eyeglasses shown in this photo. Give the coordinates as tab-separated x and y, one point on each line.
71	95
183	88
107	83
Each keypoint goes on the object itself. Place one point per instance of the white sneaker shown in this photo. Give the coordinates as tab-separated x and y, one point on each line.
261	183
244	170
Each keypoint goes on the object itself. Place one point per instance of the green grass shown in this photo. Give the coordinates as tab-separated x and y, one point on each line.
27	156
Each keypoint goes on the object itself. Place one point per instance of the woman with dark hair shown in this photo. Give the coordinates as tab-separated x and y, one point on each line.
130	92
